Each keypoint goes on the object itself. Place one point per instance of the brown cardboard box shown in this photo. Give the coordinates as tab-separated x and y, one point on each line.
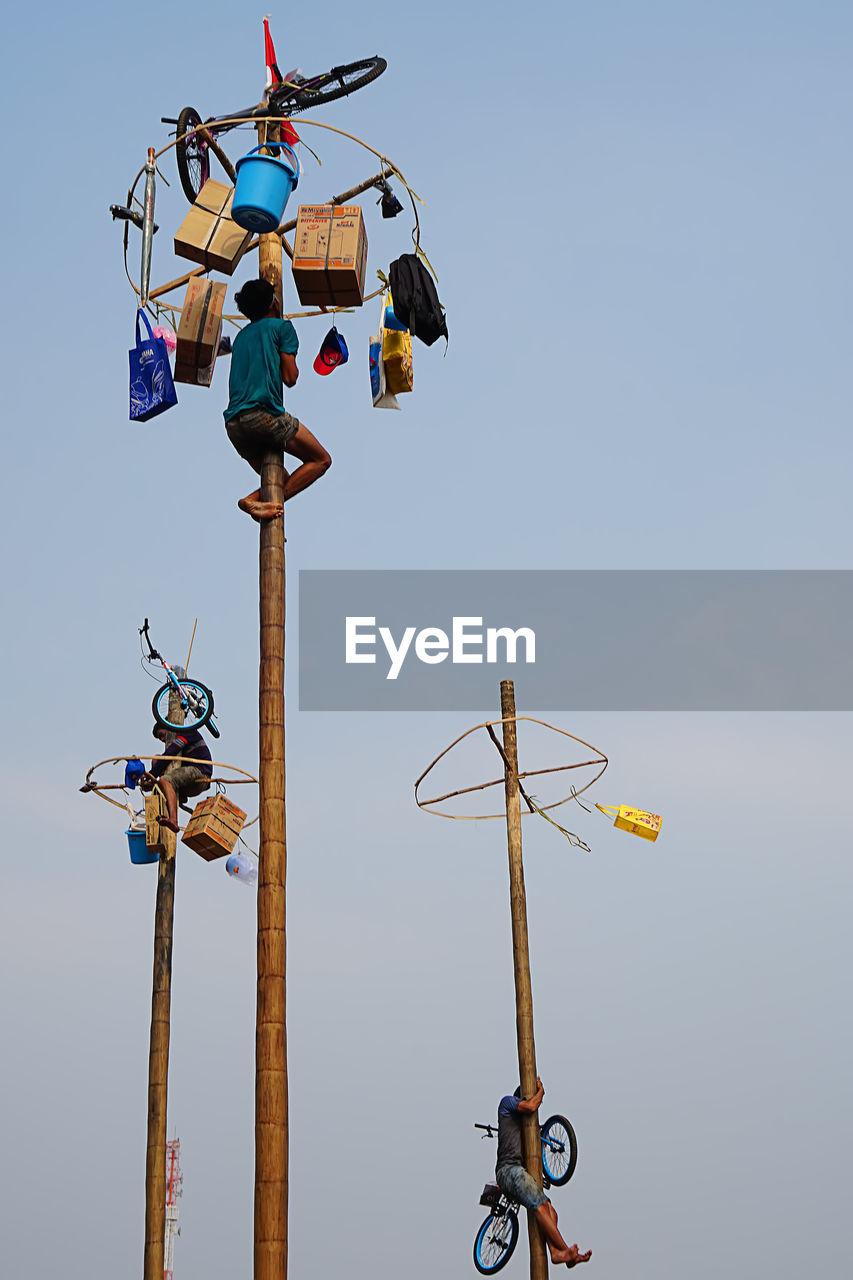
213	828
155	835
199	331
208	235
222	808
330	255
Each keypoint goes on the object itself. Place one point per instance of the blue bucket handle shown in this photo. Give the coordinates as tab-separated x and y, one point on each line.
286	146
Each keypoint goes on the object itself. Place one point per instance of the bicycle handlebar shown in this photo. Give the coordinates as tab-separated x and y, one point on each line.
152	652
491	1129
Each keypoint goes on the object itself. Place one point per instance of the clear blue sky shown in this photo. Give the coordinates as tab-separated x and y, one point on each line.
640	219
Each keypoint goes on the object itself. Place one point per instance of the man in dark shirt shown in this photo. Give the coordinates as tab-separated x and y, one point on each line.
183	780
517	1184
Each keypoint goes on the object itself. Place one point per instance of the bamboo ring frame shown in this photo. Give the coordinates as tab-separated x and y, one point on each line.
97	788
248	120
601	759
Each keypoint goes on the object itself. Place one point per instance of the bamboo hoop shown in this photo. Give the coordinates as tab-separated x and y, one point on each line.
393	170
426	805
98	788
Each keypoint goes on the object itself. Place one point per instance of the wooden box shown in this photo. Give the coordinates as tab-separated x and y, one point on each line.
208	235
213	829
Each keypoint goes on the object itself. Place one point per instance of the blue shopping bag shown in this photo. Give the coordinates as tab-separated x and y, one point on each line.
152	390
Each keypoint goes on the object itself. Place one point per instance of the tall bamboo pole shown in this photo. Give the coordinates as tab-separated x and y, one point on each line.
154	1257
521	966
271	1132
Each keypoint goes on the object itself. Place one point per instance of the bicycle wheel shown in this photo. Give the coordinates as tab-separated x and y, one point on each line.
495	1242
191	154
336	83
559	1150
197	712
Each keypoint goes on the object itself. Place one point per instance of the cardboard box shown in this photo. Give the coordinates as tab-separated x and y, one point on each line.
330	255
213	828
199	332
156	837
222	808
208	235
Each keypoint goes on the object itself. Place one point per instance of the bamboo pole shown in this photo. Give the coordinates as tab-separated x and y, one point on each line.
271	1118
154	1257
531	1145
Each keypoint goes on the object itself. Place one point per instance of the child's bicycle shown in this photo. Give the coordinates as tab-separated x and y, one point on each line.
194	698
496	1239
292	94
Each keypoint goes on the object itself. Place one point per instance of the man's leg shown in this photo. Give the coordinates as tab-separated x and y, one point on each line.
560	1251
252	504
171	798
314	458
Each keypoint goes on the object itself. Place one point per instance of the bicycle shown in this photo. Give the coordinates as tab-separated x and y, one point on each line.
498	1235
193	697
292	94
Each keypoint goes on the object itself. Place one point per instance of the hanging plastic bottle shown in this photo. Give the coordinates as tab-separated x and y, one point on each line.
243	868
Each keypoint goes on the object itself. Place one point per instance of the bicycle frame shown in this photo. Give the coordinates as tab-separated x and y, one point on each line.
275	106
171	679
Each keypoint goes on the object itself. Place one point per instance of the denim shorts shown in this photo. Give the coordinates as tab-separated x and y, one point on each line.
517	1184
255	432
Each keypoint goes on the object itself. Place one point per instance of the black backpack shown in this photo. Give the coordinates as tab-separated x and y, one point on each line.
416	302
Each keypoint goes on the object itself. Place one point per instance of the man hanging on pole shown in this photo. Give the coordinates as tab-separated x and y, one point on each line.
517	1184
263	357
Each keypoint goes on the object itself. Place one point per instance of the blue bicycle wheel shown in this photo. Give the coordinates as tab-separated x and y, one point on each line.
559	1150
495	1242
196	703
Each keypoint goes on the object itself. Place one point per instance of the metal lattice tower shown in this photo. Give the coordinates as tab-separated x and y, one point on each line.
174	1189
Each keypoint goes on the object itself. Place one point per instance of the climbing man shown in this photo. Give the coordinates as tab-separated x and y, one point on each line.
517	1184
183	780
262	358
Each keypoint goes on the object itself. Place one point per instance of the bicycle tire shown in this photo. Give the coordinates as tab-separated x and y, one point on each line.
196	714
337	83
191	154
558	1164
494	1245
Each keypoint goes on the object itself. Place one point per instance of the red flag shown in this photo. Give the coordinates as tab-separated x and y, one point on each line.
287	132
273	73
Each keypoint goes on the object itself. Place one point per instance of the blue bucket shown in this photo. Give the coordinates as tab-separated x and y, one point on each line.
139	851
264	184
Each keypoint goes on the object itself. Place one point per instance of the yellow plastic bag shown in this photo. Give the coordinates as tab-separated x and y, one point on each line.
638	821
397	356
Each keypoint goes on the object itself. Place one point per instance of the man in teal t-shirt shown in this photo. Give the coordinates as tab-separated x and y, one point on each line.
262	358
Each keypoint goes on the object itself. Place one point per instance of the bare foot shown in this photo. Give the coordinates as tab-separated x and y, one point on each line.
169	825
260	510
571	1256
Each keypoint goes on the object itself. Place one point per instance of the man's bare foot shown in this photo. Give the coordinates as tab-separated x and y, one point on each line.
260	510
170	825
571	1256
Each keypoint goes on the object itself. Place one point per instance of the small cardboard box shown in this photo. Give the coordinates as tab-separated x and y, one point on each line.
199	332
156	837
330	255
213	828
208	235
